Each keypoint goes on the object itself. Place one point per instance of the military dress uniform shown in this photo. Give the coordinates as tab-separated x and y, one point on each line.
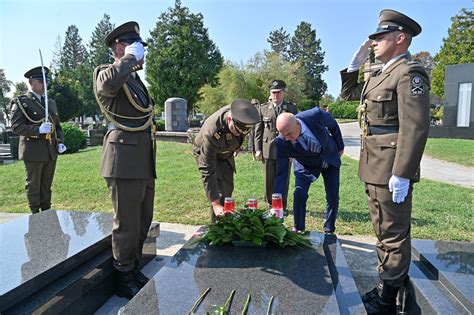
128	156
265	134
38	151
214	148
394	117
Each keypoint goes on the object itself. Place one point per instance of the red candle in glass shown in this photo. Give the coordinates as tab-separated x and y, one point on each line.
252	203
277	202
229	205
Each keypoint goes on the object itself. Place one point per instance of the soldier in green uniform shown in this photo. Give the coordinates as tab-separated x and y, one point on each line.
215	146
128	157
266	132
40	141
394	117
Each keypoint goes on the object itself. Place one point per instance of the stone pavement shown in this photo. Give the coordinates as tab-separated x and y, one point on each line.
430	168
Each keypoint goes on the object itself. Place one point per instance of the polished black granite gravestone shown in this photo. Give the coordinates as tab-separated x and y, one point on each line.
38	249
299	279
452	263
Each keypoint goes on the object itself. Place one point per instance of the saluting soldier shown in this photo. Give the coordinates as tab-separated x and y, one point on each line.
128	157
394	116
266	132
215	146
40	141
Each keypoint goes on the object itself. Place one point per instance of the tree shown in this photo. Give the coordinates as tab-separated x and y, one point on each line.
98	51
251	81
425	59
4	89
181	57
66	99
73	52
457	48
20	89
306	49
279	41
55	64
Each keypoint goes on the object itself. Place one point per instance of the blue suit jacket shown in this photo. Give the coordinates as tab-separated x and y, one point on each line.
325	128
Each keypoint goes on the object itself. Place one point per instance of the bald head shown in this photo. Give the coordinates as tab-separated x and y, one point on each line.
288	126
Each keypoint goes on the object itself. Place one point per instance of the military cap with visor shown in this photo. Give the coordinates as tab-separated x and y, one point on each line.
391	20
36	73
277	85
128	33
244	115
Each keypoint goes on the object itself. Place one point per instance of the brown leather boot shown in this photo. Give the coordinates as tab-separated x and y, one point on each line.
381	300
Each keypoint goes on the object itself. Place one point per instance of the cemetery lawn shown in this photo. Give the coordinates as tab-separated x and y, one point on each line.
459	151
440	211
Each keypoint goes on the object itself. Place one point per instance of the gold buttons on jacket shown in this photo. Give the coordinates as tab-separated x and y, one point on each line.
392	143
121	140
378	97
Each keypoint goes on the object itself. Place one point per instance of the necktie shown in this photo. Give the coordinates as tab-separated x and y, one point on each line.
313	145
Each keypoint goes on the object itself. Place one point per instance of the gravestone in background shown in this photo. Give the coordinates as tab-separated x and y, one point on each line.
176	115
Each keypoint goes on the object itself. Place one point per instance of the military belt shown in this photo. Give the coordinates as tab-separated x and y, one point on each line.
111	126
381	130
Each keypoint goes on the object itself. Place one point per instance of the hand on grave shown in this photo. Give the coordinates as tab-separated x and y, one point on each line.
217	208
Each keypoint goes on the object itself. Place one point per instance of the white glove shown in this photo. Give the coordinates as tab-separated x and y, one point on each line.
360	56
258	155
45	128
61	148
398	186
136	49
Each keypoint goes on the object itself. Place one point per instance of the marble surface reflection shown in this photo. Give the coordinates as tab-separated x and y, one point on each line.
298	279
33	244
453	260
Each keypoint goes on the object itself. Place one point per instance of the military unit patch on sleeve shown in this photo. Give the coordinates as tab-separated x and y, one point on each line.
417	85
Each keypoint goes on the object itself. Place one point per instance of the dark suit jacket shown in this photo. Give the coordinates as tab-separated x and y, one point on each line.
326	130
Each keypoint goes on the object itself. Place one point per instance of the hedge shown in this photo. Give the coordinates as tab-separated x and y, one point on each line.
74	138
344	109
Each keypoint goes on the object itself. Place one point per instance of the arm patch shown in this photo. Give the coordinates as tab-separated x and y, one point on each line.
416	85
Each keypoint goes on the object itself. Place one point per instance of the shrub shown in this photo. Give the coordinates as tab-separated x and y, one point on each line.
74	138
344	109
160	125
306	104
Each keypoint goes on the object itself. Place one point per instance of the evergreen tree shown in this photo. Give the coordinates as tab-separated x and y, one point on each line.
279	41
458	48
181	56
4	89
306	49
20	89
73	52
66	99
55	64
98	50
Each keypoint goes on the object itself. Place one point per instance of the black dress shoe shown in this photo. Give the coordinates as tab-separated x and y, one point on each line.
126	285
381	300
141	278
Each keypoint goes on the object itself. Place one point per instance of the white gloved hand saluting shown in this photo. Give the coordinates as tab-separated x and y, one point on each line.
45	128
360	56
398	186
61	148
136	49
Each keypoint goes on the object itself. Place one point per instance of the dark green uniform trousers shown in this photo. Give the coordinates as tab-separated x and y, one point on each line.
391	222
39	178
133	204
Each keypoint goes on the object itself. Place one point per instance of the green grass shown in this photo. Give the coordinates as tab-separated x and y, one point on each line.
440	211
459	151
